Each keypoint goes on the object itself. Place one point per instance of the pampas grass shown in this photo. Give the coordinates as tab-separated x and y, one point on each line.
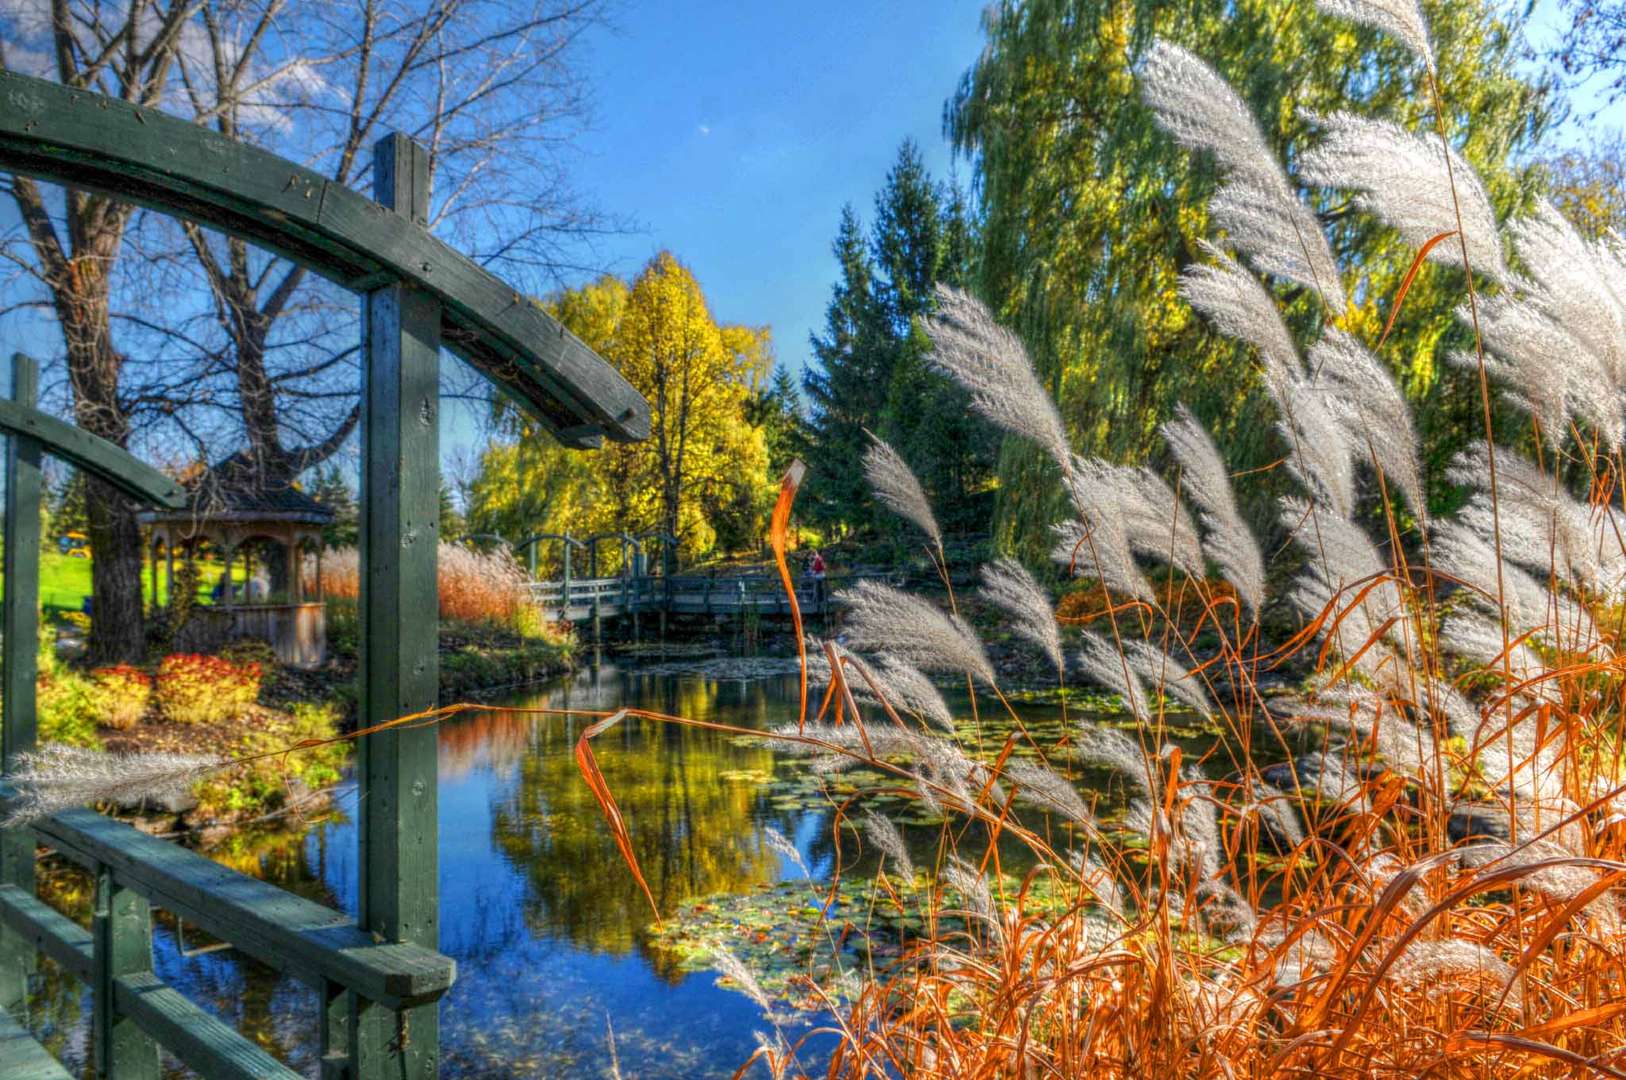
895	484
1227	540
1008	586
914	630
1402	179
57	777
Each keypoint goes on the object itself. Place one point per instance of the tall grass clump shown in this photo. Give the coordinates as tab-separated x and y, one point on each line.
1408	864
475	587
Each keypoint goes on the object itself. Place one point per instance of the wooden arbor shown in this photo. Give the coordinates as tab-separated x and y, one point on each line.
379	1017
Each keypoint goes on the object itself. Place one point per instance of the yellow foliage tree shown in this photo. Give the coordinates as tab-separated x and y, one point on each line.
701	475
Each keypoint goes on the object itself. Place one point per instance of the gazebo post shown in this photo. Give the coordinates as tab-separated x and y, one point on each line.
229	556
169	566
295	593
400	533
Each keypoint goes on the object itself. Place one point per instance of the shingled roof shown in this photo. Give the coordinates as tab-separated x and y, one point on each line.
232	490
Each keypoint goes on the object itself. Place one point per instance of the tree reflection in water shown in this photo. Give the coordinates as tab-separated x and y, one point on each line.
693	801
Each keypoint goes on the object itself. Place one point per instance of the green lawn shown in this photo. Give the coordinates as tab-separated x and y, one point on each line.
65	582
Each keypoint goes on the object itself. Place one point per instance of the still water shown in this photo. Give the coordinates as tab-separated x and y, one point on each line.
551	936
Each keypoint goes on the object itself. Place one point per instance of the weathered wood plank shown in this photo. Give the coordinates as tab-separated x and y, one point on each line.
400	531
200	1040
121	932
80	448
284	931
19	630
147	157
47	930
21	1058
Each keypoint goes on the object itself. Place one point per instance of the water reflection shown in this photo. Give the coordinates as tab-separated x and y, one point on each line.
548	928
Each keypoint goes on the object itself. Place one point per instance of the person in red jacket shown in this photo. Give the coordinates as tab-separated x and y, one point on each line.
816	570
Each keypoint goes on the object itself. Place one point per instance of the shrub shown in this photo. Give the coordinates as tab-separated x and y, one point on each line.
67	707
475	587
122	695
262	784
250	651
196	689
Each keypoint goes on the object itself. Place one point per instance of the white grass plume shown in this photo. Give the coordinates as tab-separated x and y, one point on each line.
896	485
1113	749
1372	721
1580	286
1155	520
1319	453
1557	619
1157	668
1257	206
1343	564
1010	587
1206	481
1048	790
881	618
1376	412
1545	370
1102	664
1098	545
734	970
990	362
889	842
59	777
1435	965
1242	308
897	682
1400	19
1402	179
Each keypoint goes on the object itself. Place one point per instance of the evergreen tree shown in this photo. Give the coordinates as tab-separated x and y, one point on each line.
847	384
333	491
777	410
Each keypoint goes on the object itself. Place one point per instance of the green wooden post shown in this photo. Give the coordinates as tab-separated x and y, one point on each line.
564	606
19	623
400	523
121	925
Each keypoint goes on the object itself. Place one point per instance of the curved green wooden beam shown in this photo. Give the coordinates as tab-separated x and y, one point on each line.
143	156
93	455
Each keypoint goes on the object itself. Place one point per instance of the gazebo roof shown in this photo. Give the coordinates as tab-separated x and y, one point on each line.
232	492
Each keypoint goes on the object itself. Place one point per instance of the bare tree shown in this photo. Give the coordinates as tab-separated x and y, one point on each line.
219	343
126	51
1593	46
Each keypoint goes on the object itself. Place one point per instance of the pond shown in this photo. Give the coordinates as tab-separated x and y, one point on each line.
555	945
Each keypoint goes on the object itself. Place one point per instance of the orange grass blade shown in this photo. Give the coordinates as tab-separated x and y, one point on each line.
779	524
588	765
1405	283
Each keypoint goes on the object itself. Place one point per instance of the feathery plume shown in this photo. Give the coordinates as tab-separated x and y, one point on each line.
59	777
969	882
1155	521
896	485
1206	481
780	843
1400	19
1241	308
732	969
1048	790
914	630
1377	415
1257	206
889	842
1098	544
901	685
1161	670
1103	664
1402	179
1545	370
1113	749
1008	586
992	365
1576	284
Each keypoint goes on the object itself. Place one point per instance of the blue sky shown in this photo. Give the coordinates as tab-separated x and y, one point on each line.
733	133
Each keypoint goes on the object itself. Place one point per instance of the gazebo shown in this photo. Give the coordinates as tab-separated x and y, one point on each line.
233	510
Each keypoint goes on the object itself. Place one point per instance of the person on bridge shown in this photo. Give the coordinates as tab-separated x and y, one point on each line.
815	569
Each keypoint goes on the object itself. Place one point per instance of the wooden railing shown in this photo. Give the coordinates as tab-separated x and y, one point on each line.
134	1013
691	593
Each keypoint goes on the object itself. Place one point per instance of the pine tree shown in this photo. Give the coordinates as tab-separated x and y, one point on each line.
846	386
333	491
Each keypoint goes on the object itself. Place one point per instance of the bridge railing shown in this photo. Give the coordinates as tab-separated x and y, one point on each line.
695	593
134	1013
